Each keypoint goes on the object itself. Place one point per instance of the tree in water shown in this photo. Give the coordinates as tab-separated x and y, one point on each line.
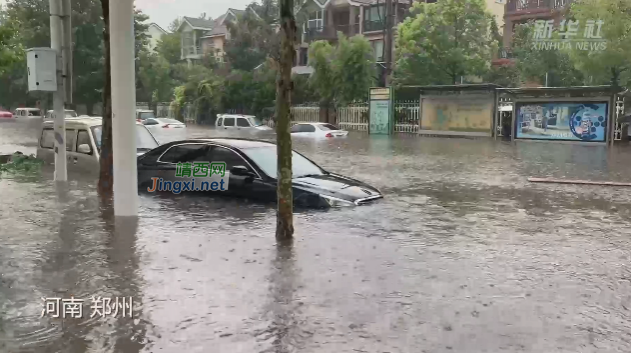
284	216
106	176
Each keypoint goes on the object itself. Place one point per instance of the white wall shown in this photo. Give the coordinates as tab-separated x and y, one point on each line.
155	34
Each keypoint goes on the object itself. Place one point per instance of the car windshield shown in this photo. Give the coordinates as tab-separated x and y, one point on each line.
265	158
327	127
146	115
255	121
71	113
144	139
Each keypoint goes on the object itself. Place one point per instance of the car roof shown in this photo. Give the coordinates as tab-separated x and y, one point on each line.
81	121
239	143
236	116
144	110
28	109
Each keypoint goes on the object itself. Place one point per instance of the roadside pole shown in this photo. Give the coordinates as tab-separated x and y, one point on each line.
67	50
56	39
123	107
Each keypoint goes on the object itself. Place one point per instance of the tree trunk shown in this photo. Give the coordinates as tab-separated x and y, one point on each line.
284	216
106	179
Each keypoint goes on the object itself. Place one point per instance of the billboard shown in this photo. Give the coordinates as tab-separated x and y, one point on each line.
470	113
566	121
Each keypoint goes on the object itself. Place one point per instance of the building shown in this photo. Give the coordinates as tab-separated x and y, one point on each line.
155	34
366	17
206	36
518	12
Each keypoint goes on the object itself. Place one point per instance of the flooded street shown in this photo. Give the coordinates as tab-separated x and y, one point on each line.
462	255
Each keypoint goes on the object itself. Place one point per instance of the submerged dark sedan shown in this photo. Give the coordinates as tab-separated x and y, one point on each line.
252	172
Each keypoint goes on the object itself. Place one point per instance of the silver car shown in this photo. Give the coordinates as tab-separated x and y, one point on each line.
83	143
240	122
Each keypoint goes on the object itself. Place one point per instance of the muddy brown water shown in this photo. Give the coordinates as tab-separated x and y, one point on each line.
463	255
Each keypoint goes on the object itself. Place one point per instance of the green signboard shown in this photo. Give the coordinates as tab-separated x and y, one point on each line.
380	111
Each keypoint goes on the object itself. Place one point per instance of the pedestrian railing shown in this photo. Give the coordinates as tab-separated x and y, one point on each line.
354	116
305	114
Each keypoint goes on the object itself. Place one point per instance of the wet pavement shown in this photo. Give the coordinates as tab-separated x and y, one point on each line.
463	255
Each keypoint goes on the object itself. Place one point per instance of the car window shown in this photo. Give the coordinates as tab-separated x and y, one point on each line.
295	128
307	128
83	138
265	158
243	122
327	127
219	121
150	122
144	139
71	113
186	153
48	138
34	113
146	115
228	121
220	154
71	138
255	121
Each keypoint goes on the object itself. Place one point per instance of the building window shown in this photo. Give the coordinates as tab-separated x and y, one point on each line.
374	18
377	46
315	20
304	56
188	43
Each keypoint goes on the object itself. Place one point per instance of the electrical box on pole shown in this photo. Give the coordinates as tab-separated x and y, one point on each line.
42	69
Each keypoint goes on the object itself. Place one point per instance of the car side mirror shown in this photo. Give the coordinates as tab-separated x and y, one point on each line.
240	170
84	148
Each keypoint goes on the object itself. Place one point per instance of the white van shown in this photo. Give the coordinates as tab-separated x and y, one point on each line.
240	122
83	143
28	113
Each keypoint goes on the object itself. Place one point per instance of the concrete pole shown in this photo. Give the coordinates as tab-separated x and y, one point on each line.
67	49
123	107
56	38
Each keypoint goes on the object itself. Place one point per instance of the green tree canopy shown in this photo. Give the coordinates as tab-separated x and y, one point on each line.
533	64
251	42
443	41
612	65
343	73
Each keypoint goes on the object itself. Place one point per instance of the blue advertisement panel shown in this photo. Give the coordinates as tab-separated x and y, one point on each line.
567	121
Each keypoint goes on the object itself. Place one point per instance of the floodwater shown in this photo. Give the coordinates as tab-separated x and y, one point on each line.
463	255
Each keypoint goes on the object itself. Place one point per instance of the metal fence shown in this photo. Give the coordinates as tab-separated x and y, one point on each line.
354	116
306	114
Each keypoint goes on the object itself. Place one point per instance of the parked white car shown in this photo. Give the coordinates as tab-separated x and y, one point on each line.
317	130
83	143
240	122
165	129
50	115
28	113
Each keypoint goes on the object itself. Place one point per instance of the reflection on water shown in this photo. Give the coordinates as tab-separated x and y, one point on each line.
463	252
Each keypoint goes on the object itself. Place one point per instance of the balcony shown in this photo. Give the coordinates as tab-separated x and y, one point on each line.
370	26
517	6
330	32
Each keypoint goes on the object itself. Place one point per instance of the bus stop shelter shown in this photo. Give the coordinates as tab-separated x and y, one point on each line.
583	114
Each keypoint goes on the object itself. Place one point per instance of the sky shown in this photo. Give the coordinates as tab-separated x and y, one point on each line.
163	12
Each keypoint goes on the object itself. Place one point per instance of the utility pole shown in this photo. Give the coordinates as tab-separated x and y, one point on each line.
388	42
67	49
56	43
123	71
